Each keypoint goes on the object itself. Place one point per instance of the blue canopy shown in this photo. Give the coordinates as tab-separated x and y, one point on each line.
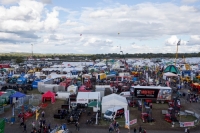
17	95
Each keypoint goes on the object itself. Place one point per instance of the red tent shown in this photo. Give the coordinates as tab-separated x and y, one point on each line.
48	95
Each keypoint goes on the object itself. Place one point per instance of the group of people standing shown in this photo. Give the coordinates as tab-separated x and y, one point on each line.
140	130
114	126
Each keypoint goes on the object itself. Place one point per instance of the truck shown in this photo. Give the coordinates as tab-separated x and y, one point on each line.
152	93
113	113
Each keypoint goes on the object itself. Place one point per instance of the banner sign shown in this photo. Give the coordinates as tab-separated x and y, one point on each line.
134	121
126	114
160	94
187	124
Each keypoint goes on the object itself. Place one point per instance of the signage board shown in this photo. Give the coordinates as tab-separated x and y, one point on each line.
159	94
134	121
187	124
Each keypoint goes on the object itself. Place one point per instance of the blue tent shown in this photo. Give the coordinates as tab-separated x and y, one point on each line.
18	96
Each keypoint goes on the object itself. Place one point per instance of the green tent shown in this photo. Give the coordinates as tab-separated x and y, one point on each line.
172	69
2	125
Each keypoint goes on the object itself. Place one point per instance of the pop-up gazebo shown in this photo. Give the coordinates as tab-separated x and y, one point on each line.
17	97
48	95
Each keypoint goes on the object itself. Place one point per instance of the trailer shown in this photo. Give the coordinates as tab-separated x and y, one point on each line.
153	93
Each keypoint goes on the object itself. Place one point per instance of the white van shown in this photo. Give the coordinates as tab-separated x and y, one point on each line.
113	113
125	94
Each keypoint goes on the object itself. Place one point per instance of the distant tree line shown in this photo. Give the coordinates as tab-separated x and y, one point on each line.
82	57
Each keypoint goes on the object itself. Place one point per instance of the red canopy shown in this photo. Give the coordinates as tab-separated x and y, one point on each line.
49	95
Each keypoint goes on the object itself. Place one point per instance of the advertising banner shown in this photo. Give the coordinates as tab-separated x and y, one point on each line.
187	124
126	114
159	94
134	121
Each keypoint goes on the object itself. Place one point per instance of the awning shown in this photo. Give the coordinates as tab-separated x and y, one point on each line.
94	104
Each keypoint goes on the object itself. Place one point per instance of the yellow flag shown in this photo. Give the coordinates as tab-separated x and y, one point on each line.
37	114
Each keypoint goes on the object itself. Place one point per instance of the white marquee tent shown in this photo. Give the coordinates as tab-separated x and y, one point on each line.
113	100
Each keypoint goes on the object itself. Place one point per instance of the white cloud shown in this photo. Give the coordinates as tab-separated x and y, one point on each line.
71	23
5	2
51	21
47	1
194	40
173	40
97	42
33	21
189	1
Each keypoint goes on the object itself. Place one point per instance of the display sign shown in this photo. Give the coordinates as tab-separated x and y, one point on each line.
134	121
187	124
159	94
146	93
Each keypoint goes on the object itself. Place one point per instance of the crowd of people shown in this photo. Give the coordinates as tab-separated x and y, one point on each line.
39	126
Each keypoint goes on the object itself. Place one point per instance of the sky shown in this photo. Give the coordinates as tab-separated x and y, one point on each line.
99	26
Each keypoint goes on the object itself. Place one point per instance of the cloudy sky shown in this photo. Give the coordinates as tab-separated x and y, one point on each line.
99	26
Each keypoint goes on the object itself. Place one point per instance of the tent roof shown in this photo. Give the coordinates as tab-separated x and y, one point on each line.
172	68
18	94
88	95
114	97
48	94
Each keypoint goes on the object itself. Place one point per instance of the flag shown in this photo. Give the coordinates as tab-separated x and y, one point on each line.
179	42
36	114
127	121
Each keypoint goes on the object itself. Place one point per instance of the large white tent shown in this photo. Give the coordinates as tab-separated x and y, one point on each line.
113	100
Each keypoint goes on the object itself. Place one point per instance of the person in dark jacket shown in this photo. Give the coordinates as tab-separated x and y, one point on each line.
140	129
134	130
24	127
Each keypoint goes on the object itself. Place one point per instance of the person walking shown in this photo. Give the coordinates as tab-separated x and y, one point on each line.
21	122
33	125
77	126
43	113
140	129
188	130
134	130
24	127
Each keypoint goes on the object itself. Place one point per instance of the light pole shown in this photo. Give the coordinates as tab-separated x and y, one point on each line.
32	49
179	42
124	58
